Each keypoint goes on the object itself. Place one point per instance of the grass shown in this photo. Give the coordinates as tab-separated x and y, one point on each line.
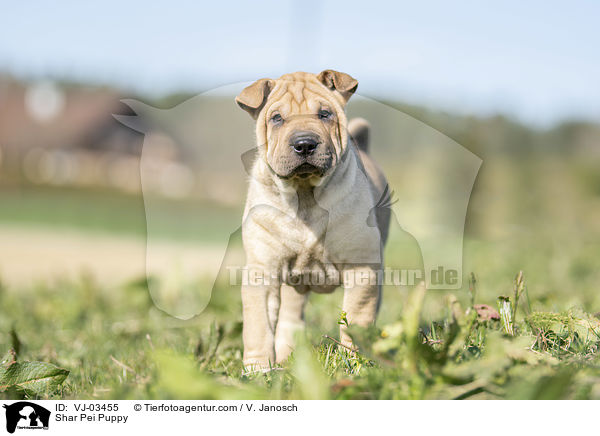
537	336
116	344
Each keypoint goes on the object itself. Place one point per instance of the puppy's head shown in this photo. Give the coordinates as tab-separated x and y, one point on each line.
300	121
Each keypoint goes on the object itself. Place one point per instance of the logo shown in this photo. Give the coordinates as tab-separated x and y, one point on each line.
26	415
432	184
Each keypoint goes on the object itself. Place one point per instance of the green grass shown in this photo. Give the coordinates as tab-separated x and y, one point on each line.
116	344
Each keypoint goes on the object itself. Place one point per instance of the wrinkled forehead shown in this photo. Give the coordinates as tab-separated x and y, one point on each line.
299	97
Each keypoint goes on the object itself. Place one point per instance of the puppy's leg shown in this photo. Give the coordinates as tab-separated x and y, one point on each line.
260	310
291	320
361	299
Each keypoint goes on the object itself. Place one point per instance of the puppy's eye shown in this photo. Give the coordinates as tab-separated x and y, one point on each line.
324	114
276	118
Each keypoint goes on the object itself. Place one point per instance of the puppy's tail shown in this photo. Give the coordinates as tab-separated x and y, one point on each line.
359	128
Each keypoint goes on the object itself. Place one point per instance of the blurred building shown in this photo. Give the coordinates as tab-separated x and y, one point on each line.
60	134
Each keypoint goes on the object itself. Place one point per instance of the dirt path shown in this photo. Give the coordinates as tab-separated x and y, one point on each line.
31	254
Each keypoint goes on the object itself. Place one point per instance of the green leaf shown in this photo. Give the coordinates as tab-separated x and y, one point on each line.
546	387
179	377
311	382
31	378
410	325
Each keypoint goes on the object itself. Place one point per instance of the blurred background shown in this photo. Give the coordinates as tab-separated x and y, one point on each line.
514	83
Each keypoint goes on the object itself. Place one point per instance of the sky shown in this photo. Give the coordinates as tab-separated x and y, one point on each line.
537	61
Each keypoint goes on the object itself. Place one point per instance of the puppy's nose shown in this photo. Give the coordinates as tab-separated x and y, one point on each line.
304	143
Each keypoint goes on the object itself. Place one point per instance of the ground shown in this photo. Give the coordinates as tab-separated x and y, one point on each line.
116	344
75	300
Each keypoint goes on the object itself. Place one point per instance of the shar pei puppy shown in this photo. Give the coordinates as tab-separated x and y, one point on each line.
316	214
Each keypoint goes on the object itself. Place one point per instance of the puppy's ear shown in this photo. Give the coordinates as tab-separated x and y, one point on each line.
253	97
343	83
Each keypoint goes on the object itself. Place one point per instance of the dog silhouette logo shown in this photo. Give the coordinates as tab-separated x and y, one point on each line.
26	415
195	146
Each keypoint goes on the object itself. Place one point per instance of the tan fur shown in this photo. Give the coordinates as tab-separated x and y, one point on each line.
296	224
